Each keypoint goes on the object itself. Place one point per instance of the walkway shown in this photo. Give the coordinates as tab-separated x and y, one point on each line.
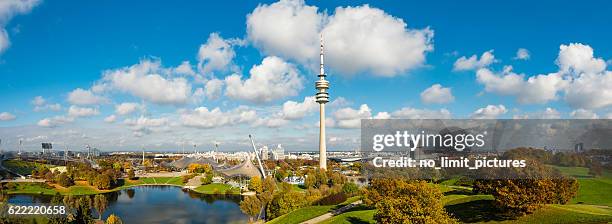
194	182
328	215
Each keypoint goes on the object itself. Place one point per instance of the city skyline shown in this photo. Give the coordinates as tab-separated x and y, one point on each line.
215	73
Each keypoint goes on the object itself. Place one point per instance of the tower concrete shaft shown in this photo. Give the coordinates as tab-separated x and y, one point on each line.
322	97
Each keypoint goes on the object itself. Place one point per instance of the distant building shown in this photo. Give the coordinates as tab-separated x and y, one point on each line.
579	147
278	153
263	151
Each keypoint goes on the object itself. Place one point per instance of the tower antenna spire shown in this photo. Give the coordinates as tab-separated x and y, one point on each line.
322	97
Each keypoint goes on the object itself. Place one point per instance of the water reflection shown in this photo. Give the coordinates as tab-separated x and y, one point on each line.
163	204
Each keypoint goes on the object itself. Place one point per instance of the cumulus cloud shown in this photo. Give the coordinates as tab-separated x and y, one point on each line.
359	39
287	28
185	68
110	119
54	121
202	117
216	54
145	125
40	104
274	79
6	116
213	89
38	101
578	58
489	112
296	110
548	113
127	108
473	63
583	114
9	9
85	97
522	54
535	90
367	39
75	111
436	94
414	113
145	80
351	118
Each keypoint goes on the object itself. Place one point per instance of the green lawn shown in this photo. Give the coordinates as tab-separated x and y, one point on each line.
30	188
161	180
23	167
215	188
359	214
306	213
593	190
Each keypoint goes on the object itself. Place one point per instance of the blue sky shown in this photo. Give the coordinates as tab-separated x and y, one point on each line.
382	54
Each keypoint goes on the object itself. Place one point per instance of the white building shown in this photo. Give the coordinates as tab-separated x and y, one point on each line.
263	151
278	153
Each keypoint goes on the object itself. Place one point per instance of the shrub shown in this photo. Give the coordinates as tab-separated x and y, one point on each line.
350	188
403	201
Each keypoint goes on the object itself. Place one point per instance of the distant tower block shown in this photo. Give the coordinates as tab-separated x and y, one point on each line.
322	97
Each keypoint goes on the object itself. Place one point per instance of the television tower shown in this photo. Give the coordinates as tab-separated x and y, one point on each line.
322	97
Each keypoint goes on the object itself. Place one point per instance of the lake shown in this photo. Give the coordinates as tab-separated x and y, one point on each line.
162	204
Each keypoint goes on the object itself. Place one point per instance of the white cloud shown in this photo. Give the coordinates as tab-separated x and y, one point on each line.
144	80
548	113
437	94
8	9
522	54
145	125
535	90
271	122
578	58
40	104
38	101
6	116
75	111
414	113
351	118
54	121
296	110
274	79
358	39
143	121
110	119
202	117
213	89
127	108
287	28
185	68
473	63
365	39
590	91
583	114
216	54
85	97
489	112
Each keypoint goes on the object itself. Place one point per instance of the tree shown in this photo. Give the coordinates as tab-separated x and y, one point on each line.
100	204
255	184
113	219
207	179
403	201
103	181
269	184
64	180
284	203
350	188
251	206
131	174
525	190
310	181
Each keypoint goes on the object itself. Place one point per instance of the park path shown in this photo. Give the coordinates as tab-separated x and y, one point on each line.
194	182
328	215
